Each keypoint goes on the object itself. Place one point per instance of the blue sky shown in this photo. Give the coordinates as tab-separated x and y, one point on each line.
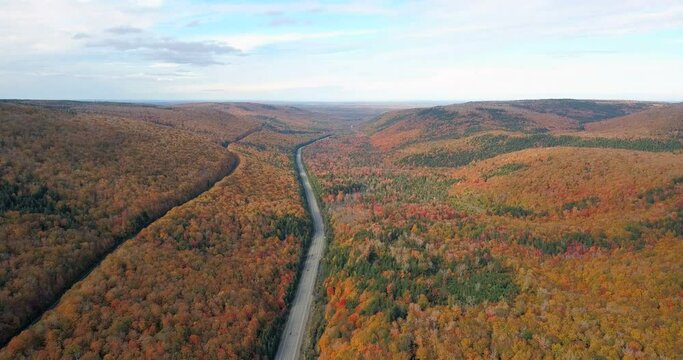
341	50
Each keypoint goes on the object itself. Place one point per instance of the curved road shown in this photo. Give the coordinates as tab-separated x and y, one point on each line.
293	335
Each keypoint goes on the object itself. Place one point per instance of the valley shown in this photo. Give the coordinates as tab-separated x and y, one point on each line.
231	230
294	331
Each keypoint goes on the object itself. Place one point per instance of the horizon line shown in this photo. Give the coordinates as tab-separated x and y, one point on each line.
436	102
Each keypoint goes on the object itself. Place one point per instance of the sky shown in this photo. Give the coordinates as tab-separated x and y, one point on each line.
431	50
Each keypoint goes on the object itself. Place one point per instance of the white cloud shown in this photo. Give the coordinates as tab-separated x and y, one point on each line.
33	27
379	49
148	3
250	42
359	7
541	18
168	49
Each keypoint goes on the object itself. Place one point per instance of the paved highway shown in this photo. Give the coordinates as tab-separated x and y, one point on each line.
294	332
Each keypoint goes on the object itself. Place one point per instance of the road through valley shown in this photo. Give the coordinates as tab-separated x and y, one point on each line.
294	331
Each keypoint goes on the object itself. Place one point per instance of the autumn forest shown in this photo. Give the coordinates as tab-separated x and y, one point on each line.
508	230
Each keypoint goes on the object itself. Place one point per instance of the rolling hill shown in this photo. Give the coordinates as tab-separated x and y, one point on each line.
75	184
659	122
489	229
399	128
77	179
503	230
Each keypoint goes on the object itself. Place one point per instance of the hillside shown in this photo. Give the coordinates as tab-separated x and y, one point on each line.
80	178
280	116
222	122
658	122
74	184
503	230
584	111
211	278
202	120
398	128
601	190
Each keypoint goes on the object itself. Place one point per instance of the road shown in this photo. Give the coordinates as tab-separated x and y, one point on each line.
294	332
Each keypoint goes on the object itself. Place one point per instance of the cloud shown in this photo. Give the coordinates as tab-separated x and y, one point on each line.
349	48
250	42
124	30
139	76
269	87
582	53
353	7
193	23
279	20
147	3
170	50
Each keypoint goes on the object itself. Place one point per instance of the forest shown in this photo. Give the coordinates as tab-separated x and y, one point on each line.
209	279
511	230
488	146
73	186
211	276
501	241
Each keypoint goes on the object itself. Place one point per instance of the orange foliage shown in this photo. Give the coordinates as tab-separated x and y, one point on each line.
582	250
210	274
73	184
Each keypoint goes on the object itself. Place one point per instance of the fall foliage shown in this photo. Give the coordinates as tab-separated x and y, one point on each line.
561	243
507	230
73	185
212	276
209	279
